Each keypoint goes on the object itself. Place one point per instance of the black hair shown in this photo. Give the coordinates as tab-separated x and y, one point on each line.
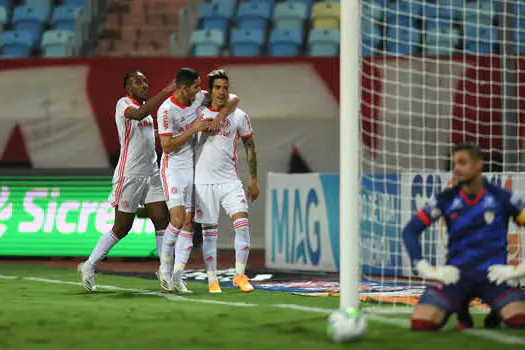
473	149
129	75
186	76
216	74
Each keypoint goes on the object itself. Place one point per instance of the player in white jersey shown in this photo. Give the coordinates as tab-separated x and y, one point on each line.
217	183
136	180
178	123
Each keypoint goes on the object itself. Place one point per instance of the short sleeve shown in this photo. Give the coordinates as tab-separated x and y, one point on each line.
245	126
200	98
516	207
122	106
431	211
165	122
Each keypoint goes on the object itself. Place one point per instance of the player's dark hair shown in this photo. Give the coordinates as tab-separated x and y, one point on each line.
186	76
216	74
473	149
129	75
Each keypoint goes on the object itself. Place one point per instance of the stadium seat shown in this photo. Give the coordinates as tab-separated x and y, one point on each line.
370	40
404	11
323	42
290	15
3	18
285	42
247	42
46	4
441	40
58	43
31	20
75	3
519	32
7	5
308	3
403	41
480	39
254	15
373	9
16	44
481	11
207	42
326	15
64	17
216	16
442	14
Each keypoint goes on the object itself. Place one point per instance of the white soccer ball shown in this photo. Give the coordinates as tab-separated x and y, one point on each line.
345	325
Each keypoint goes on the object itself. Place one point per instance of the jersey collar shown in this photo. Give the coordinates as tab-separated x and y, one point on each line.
133	100
177	102
474	201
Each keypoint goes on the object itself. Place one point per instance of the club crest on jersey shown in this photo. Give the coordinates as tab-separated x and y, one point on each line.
225	123
125	204
174	190
489	216
199	212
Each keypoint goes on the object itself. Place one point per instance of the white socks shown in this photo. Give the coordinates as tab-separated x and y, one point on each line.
242	244
168	247
104	245
182	253
209	250
158	241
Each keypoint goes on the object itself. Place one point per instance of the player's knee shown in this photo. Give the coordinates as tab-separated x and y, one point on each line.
424	325
177	218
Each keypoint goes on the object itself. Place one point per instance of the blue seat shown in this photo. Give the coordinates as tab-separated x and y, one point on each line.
480	39
58	43
370	40
290	15
444	14
64	17
254	15
247	42
308	3
46	4
441	41
402	11
285	42
3	17
207	42
373	9
519	32
403	41
16	44
215	16
230	5
481	11
31	20
8	5
323	42
75	3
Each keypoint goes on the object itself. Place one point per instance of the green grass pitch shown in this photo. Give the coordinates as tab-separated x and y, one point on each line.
45	308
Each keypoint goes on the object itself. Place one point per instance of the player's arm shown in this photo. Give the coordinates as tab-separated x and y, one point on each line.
226	110
172	144
251	156
150	105
411	239
511	274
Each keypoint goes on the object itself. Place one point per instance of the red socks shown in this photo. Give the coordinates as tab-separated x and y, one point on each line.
424	325
516	321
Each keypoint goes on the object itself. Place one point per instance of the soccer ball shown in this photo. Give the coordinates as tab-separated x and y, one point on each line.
345	325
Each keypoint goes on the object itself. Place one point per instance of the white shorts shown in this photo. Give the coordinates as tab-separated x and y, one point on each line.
178	187
130	192
209	199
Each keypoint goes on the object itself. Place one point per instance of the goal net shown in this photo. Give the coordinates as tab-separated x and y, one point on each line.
434	73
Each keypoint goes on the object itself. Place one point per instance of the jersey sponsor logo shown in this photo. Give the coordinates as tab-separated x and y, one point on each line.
145	123
165	119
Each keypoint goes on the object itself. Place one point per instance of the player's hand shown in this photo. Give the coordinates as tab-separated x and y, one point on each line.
499	274
446	274
201	124
215	125
253	189
171	86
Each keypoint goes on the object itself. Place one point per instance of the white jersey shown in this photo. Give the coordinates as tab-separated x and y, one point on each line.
216	155
137	142
173	119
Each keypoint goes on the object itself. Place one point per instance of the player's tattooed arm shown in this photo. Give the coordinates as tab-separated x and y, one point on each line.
253	187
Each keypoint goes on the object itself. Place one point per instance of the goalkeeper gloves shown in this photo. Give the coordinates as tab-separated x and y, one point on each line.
511	275
447	274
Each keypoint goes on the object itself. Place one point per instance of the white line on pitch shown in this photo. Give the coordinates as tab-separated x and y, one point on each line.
400	322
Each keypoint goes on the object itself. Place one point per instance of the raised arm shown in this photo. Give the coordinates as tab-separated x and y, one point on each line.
150	105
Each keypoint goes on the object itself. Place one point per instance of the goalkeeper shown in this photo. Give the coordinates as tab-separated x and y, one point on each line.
477	215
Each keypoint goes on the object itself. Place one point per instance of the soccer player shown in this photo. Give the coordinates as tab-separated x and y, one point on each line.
178	123
217	183
136	180
477	215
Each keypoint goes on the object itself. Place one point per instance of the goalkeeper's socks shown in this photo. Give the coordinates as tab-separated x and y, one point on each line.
424	325
159	238
182	253
104	245
209	250
242	244
516	321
